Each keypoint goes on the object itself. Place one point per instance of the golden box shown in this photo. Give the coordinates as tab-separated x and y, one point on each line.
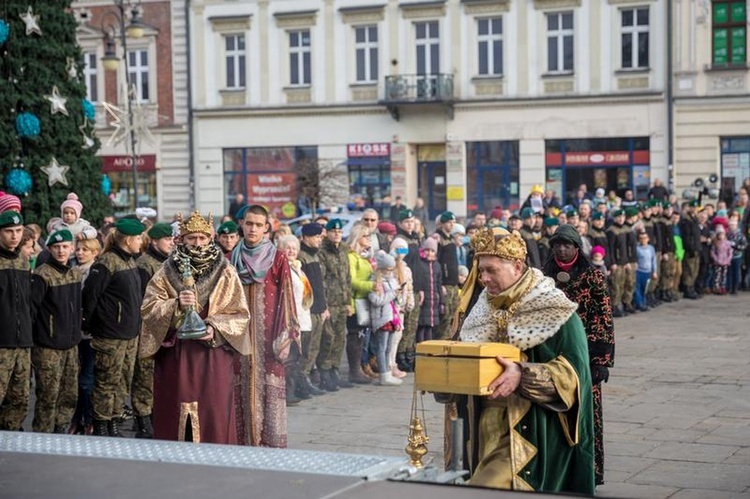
459	367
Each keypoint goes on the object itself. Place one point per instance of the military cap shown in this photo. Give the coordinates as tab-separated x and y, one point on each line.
631	211
129	226
10	218
404	214
447	216
312	229
160	231
566	233
551	221
60	236
514	217
335	224
652	202
227	227
666	204
617	212
527	213
571	213
597	216
695	203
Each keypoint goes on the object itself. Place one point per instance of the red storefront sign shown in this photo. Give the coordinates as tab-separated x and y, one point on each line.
598	158
145	162
374	150
272	190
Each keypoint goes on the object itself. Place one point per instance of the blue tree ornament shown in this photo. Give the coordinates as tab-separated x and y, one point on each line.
18	182
28	125
89	111
106	185
4	31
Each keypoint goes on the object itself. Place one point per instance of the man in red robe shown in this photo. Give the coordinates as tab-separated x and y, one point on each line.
266	278
194	380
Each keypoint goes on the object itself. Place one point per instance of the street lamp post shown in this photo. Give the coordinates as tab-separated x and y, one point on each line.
113	26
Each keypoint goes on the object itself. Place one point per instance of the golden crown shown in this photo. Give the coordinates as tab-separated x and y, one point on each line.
499	242
196	223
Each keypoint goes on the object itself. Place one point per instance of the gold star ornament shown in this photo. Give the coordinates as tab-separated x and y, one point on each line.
56	173
32	22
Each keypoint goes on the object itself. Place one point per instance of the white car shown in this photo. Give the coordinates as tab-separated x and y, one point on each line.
349	220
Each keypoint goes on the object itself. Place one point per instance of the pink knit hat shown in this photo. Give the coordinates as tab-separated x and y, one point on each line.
9	202
430	243
72	202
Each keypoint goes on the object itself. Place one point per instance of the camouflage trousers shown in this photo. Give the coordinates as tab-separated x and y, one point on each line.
114	361
333	338
142	389
411	323
618	285
450	304
15	373
690	268
311	349
629	286
666	277
56	376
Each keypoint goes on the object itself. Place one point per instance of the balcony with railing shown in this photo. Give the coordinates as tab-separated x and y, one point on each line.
402	90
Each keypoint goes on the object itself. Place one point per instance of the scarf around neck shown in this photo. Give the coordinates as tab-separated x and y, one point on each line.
202	258
253	262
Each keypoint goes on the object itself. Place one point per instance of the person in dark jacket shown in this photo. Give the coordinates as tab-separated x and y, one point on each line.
142	389
57	331
15	317
587	286
617	237
447	258
529	236
631	217
658	192
431	291
405	230
112	315
691	242
668	265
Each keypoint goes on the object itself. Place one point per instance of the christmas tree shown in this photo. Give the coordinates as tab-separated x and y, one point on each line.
47	142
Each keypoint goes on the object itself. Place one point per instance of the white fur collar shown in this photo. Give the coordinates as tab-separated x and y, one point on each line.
540	314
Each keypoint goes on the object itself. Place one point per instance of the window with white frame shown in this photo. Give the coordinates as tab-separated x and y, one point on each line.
560	42
299	57
90	76
366	51
428	47
138	72
634	38
490	45
234	53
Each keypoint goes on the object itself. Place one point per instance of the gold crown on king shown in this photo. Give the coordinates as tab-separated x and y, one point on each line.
499	242
196	223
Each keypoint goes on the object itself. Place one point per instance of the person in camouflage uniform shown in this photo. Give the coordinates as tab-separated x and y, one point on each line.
57	331
668	264
631	217
406	348
338	286
447	258
142	389
617	249
550	225
15	316
112	315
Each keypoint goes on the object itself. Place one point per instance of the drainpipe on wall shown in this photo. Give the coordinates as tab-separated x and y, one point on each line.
670	101
191	155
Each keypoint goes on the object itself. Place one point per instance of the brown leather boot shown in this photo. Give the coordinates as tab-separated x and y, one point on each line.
353	356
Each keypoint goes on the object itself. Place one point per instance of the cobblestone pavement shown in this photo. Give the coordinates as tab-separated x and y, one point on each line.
677	406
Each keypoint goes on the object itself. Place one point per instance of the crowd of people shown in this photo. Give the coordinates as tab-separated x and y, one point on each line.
94	316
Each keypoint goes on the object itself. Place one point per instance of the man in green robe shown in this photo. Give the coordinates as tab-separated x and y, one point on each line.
535	431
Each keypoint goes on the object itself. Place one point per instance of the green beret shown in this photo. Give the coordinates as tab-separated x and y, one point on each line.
617	212
129	227
404	214
160	231
335	224
10	218
227	227
695	203
447	216
571	213
666	204
653	202
551	222
61	236
527	213
631	211
597	216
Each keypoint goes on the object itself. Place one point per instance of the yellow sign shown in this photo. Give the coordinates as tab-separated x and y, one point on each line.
455	193
288	210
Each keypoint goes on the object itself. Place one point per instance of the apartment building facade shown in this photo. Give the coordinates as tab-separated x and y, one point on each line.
157	71
465	103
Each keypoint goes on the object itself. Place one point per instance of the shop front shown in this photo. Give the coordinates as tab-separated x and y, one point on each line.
735	166
119	170
492	175
613	164
369	168
431	179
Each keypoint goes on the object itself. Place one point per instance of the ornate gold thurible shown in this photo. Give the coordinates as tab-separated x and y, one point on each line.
417	440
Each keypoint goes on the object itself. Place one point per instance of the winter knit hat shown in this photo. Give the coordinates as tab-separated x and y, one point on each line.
430	243
598	250
384	260
72	202
9	202
399	243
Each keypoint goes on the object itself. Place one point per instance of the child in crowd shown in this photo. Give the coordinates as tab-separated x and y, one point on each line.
597	259
384	315
738	241
71	219
87	251
645	271
721	257
28	246
404	298
463	274
57	332
430	288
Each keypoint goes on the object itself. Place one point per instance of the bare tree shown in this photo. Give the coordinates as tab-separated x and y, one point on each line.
324	182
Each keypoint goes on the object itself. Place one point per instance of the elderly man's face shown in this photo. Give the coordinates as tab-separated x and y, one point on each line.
370	220
584	210
497	274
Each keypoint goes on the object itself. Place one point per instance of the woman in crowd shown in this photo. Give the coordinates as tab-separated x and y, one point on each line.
360	268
